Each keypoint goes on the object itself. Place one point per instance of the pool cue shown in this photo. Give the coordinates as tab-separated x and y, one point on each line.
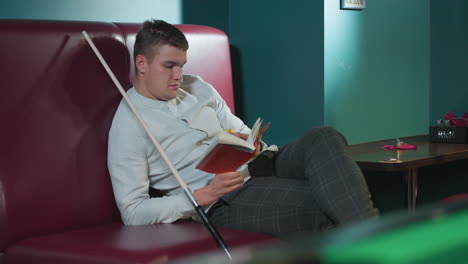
216	236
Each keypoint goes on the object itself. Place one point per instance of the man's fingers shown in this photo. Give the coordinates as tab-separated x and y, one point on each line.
244	136
234	187
229	175
234	181
241	135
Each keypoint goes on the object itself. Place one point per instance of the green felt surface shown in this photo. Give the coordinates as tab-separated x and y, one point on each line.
440	240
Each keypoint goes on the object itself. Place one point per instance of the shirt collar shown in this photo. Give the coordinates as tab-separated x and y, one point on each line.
177	106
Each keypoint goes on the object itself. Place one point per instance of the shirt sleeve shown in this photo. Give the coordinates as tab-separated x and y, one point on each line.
128	167
229	121
226	118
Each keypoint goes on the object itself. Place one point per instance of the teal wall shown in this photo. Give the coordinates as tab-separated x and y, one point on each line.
277	54
387	71
213	13
377	65
278	46
449	56
92	10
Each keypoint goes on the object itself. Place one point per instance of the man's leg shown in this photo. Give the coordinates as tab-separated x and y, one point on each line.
336	182
271	205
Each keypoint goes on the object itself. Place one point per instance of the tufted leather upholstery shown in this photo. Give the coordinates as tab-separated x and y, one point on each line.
57	104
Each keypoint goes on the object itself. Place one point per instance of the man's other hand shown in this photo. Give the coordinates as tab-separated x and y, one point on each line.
221	184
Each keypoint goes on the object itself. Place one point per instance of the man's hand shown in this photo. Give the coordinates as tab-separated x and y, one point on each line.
258	147
221	184
240	135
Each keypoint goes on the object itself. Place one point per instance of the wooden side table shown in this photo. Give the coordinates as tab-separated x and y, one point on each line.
371	156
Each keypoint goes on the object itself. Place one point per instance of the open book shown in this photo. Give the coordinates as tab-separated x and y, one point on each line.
230	152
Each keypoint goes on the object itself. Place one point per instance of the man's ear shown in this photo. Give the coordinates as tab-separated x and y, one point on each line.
141	63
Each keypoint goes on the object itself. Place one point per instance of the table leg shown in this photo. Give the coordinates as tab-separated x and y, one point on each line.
412	189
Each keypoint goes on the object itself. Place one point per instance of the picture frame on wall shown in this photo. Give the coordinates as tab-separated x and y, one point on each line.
353	4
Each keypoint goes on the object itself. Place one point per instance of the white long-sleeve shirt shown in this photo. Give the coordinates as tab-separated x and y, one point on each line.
181	126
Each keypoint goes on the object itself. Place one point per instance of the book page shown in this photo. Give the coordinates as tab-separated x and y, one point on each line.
255	128
229	139
228	152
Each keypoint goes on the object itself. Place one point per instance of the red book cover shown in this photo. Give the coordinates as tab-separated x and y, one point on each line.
224	158
231	152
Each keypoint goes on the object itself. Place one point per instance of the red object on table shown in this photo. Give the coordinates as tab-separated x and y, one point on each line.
402	146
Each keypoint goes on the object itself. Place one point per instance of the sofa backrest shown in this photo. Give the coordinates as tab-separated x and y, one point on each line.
56	108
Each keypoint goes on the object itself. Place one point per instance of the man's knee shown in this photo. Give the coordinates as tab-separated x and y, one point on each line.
324	134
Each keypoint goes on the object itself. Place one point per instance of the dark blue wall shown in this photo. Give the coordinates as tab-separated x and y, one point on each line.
277	53
213	13
449	58
281	56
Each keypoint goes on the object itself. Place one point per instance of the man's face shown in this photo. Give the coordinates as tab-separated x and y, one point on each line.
161	76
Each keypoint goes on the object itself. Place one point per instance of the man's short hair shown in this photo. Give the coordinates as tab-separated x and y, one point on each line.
156	33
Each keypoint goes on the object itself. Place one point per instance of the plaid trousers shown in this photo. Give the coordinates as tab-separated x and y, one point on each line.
315	186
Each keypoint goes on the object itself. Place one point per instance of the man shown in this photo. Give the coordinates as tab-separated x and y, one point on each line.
312	184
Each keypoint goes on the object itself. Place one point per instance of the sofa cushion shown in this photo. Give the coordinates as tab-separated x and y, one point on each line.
115	243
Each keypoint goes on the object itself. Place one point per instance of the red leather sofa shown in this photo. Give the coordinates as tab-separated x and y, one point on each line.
56	107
